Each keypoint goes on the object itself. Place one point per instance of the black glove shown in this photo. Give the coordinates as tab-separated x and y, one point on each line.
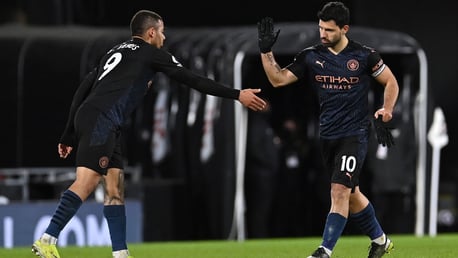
266	34
383	132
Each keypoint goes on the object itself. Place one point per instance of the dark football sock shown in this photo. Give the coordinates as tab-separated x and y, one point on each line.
367	222
335	224
116	218
66	209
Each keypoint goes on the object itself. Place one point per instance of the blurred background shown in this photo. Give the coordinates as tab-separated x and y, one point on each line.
181	146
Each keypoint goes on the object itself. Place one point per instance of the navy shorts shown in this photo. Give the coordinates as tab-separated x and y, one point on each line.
99	145
344	158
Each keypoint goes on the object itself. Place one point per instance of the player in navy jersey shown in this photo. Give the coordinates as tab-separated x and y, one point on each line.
102	103
341	70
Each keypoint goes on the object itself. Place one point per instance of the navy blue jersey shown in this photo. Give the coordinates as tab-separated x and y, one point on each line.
343	83
119	83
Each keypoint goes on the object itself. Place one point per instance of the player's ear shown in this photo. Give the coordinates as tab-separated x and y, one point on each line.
152	32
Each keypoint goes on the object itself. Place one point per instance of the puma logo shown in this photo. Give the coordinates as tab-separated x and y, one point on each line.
320	63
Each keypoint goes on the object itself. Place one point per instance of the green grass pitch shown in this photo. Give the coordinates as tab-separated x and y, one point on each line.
406	246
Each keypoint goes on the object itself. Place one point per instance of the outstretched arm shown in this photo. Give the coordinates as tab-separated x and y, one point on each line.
247	97
266	39
277	76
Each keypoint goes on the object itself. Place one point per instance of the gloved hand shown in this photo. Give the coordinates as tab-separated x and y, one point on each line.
266	35
383	132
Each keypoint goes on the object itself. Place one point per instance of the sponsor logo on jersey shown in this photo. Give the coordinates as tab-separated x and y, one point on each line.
336	82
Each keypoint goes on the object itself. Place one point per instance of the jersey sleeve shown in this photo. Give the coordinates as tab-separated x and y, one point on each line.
298	67
203	84
83	90
169	65
375	63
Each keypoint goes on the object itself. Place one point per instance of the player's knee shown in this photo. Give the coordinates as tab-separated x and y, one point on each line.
113	199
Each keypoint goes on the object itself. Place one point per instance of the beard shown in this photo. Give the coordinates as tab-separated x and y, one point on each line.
331	42
327	43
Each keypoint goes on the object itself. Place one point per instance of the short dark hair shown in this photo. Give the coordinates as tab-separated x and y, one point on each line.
336	11
143	20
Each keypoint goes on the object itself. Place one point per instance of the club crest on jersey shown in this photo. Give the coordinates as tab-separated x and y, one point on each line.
352	64
103	162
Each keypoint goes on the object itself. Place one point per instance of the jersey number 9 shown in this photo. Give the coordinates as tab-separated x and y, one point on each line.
111	63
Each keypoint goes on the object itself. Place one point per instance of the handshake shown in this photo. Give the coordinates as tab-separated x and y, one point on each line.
266	35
